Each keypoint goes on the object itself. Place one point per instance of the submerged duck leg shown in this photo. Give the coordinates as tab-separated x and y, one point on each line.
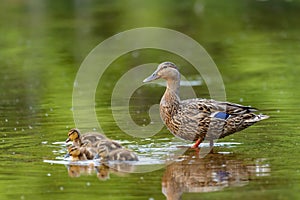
211	143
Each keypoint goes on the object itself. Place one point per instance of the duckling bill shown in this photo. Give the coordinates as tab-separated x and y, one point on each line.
197	119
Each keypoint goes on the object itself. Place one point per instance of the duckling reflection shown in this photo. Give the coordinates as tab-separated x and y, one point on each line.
211	173
121	169
102	171
78	170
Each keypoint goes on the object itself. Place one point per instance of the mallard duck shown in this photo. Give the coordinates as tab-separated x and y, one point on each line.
85	139
197	119
81	153
117	154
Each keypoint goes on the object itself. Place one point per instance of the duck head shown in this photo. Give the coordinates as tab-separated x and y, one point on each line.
73	134
165	70
73	151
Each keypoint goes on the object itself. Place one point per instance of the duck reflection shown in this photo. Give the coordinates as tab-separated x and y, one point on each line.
211	173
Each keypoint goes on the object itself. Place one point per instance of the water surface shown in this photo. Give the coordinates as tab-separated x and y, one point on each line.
255	45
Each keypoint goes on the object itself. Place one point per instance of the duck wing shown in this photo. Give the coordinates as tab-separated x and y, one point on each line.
209	106
195	117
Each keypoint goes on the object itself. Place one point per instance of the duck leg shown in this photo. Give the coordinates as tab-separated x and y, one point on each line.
197	143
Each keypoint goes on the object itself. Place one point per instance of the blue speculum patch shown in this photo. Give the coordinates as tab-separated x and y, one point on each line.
222	115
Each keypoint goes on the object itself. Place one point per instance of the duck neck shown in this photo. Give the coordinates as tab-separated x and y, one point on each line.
173	86
171	98
78	141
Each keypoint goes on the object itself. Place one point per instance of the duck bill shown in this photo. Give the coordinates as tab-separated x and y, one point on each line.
68	140
67	155
153	77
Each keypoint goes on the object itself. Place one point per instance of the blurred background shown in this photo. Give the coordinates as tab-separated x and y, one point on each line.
255	45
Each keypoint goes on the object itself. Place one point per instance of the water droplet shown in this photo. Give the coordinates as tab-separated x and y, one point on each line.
88	184
48	174
46	114
30	127
6	120
61	188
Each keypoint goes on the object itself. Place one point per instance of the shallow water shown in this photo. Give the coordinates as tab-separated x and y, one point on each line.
255	45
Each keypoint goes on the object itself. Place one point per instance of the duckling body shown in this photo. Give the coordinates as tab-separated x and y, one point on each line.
110	144
86	139
123	155
119	154
76	154
197	119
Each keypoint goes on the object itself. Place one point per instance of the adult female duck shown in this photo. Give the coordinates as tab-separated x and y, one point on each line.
197	119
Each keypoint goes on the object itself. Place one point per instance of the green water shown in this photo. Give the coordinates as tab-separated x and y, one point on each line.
255	45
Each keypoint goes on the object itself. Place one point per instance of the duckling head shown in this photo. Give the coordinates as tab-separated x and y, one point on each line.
165	70
74	151
73	134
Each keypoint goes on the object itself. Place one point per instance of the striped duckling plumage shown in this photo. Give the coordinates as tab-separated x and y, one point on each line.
109	144
199	119
81	153
119	154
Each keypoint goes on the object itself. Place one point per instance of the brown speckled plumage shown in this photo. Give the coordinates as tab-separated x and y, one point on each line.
197	119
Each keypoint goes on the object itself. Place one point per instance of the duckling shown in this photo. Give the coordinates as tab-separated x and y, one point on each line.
110	144
197	119
81	153
86	139
76	154
117	154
